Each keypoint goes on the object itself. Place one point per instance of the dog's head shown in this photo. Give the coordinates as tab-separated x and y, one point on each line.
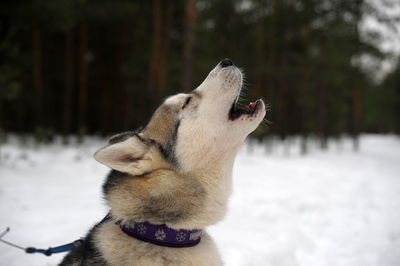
188	132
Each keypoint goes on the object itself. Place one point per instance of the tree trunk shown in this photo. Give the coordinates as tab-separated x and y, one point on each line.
272	89
260	58
322	114
68	79
126	99
119	82
357	85
37	73
154	79
304	103
190	18
356	109
83	70
166	46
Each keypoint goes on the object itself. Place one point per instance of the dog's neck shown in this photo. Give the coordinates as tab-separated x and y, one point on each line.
180	201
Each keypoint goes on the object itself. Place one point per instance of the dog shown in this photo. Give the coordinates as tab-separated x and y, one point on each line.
172	179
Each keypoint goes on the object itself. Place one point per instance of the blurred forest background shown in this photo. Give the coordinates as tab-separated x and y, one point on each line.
99	67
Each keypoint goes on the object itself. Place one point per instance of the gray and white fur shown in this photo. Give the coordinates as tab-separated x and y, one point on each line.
176	171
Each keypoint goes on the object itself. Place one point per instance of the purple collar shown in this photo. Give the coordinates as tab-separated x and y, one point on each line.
161	234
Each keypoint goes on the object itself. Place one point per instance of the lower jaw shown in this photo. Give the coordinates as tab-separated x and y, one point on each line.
245	116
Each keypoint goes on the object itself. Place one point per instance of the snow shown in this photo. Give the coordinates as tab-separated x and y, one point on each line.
331	207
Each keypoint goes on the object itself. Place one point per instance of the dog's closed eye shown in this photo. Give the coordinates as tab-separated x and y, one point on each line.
187	102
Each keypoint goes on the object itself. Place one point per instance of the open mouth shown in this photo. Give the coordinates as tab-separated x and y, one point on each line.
235	112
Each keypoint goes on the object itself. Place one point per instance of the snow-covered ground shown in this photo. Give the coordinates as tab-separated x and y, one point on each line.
335	207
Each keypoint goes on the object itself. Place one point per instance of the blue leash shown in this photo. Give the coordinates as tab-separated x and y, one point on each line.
47	252
59	249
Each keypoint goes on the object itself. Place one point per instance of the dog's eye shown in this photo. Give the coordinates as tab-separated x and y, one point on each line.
187	102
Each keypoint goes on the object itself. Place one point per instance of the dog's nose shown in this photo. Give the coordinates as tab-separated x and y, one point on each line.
226	62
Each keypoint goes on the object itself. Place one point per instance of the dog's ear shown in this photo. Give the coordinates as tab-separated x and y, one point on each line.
131	155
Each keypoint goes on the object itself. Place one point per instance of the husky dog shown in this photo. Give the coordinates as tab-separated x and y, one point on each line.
172	179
